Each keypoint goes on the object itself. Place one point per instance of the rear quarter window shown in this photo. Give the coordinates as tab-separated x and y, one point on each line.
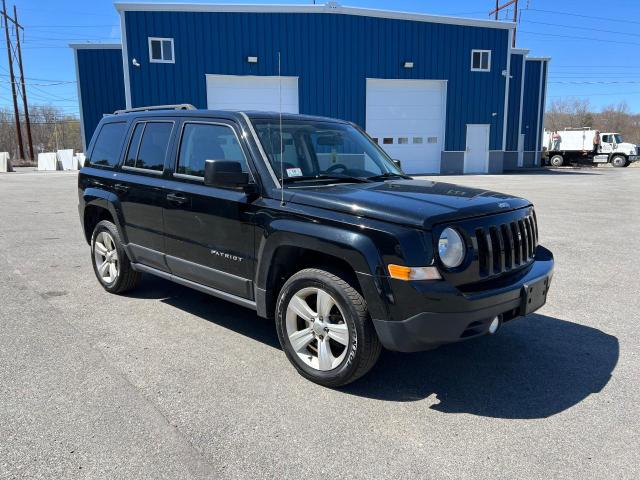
106	151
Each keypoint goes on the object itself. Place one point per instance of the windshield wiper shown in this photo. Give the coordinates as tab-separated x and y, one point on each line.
333	176
384	176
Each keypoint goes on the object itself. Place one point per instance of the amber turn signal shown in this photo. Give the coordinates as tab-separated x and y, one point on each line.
400	272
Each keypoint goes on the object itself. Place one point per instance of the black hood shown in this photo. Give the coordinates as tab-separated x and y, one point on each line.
419	203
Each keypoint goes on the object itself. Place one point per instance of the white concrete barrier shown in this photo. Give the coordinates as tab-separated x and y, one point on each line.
47	161
79	158
65	159
4	162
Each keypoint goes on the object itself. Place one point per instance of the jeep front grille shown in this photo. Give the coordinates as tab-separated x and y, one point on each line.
505	246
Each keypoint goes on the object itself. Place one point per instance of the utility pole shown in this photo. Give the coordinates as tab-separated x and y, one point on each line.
24	89
497	4
515	15
12	79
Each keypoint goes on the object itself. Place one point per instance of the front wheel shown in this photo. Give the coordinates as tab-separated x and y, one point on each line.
324	328
556	161
619	161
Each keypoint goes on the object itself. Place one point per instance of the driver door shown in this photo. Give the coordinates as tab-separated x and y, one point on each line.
606	145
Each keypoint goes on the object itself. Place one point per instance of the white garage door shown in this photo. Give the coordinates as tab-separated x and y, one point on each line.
235	92
407	119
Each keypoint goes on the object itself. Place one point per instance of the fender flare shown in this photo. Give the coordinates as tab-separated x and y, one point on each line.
358	250
108	201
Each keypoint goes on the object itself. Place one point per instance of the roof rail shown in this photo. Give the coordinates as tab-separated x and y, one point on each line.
179	106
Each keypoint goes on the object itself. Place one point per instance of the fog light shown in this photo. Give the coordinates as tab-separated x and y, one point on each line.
493	326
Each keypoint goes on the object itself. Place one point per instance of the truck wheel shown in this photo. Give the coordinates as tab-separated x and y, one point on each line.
324	328
619	161
556	161
110	262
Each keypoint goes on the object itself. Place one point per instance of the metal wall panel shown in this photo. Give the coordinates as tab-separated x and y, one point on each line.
545	66
333	54
530	104
513	111
100	75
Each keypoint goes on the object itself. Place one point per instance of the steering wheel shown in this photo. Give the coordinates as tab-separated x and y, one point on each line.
336	166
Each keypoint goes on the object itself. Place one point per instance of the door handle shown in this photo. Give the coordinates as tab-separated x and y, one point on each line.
177	199
120	187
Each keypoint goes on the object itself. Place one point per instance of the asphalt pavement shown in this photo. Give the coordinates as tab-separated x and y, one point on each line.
166	382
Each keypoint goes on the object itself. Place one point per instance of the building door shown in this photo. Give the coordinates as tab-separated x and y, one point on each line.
237	92
476	156
521	150
407	119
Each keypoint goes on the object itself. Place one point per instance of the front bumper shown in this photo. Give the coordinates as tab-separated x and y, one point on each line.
634	158
441	314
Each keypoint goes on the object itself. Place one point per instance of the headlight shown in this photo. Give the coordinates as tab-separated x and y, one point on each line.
451	248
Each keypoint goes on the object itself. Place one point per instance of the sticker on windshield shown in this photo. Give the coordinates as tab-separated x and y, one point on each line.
294	172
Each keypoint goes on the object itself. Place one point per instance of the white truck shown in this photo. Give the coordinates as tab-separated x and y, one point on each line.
575	145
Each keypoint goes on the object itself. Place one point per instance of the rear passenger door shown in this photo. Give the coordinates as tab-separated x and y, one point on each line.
209	231
139	186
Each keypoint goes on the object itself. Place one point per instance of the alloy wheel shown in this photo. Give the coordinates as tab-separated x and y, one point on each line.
105	256
317	329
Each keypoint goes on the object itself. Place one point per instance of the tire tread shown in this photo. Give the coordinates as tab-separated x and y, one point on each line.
128	278
369	347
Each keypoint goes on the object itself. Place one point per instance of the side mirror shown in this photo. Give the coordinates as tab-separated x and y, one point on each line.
397	163
225	174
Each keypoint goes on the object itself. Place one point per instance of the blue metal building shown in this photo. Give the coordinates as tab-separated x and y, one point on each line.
442	94
99	76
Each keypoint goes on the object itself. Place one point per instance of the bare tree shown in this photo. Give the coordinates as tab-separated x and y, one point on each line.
578	113
51	129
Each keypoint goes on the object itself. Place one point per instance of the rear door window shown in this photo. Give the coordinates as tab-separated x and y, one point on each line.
148	146
207	141
106	151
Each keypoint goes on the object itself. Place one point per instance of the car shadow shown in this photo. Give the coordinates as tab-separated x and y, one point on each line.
221	312
533	367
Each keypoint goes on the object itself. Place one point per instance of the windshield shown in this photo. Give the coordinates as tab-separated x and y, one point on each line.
617	138
309	150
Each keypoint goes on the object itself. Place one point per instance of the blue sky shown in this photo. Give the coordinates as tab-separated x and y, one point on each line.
594	45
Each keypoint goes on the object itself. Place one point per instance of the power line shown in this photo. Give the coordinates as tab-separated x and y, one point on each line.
595	94
617	32
53	84
596	82
617	20
71	26
580	38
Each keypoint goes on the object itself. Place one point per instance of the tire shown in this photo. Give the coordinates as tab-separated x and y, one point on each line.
619	161
117	275
556	160
338	343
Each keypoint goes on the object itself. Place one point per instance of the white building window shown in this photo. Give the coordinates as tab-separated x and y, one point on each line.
161	50
480	60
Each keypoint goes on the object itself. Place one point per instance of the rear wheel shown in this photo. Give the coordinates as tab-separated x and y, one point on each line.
619	161
110	262
556	161
324	328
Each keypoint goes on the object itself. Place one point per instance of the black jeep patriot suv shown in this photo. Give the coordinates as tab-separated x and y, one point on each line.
306	220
